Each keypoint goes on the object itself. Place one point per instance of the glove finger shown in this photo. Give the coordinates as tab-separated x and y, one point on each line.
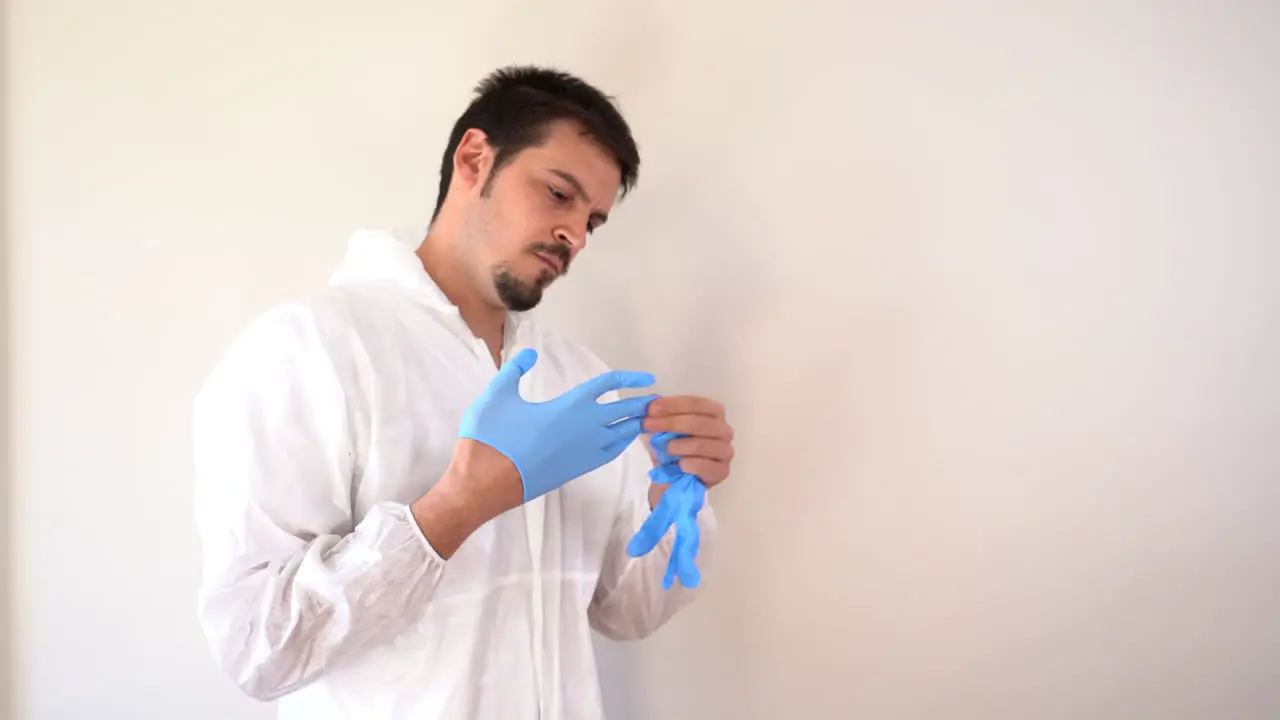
659	444
515	368
653	529
616	437
688	485
686	490
636	407
668	474
669	579
687	540
678	567
664	453
615	448
612	380
679	499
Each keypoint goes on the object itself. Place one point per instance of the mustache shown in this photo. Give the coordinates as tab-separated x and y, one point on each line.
560	252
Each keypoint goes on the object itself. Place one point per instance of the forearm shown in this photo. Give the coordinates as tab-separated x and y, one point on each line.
478	485
280	612
630	602
293	615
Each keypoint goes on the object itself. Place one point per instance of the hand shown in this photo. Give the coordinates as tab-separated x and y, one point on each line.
677	504
691	450
553	442
707	449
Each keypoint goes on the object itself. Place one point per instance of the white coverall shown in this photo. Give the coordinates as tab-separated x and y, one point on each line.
325	419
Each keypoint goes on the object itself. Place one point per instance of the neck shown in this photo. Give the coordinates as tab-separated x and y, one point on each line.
443	262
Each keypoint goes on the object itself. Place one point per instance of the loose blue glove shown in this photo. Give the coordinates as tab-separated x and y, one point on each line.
679	505
553	442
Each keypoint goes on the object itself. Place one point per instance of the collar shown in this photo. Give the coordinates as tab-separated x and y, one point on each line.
388	255
391	256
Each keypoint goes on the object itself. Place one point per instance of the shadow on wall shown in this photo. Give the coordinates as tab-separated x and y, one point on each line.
694	336
684	293
692	319
691	287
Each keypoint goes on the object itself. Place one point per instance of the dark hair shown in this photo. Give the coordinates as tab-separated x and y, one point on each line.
515	105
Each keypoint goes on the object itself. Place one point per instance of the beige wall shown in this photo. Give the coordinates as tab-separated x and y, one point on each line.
990	295
6	643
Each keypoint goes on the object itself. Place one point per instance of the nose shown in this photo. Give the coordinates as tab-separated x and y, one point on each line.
575	241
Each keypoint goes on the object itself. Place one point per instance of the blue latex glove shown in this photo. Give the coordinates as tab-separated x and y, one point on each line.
553	442
679	506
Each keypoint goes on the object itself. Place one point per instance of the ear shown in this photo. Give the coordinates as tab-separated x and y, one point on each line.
473	158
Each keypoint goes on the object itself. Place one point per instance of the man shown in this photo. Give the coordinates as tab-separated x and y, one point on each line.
414	499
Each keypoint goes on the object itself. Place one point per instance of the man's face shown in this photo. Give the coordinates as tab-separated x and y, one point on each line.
533	218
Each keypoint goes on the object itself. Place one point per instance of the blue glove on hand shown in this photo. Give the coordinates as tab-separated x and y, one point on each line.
679	506
553	442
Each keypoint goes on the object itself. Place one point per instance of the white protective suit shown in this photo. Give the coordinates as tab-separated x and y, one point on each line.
326	418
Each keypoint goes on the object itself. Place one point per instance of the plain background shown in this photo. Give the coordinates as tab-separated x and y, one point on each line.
988	288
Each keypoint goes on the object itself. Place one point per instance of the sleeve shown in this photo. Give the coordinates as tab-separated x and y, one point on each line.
291	587
630	602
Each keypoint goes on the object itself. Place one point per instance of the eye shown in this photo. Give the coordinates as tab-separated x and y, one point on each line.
559	196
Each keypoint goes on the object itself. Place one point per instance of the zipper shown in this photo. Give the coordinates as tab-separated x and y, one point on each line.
534	518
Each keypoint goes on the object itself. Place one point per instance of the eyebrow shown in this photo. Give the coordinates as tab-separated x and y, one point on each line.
600	217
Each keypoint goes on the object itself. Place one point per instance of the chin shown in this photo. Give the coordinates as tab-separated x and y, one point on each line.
517	294
523	303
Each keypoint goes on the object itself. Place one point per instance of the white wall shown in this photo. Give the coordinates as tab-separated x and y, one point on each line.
989	292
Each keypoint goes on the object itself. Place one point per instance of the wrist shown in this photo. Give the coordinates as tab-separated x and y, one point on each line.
656	491
479	484
484	479
446	518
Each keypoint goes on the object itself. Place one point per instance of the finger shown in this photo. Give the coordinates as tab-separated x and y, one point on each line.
660	443
710	472
709	448
647	537
687	523
629	408
673	564
617	447
515	368
678	499
683	548
653	529
699	425
687	405
613	380
665	474
619	435
686	567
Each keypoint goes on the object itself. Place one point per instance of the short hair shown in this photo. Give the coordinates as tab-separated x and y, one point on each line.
515	106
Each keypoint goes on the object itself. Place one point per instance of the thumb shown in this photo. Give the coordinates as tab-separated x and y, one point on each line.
516	368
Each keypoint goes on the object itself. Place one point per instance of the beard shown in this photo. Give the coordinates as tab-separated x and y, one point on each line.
516	294
520	295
